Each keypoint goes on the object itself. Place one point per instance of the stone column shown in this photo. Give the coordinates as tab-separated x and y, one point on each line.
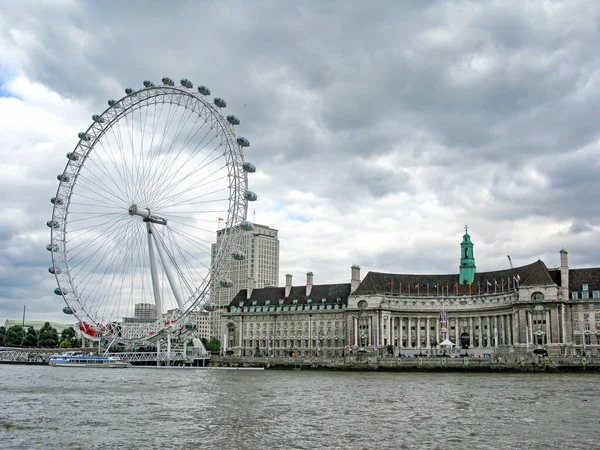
408	333
427	342
548	327
355	332
471	331
488	332
400	320
480	331
437	330
457	331
418	332
515	328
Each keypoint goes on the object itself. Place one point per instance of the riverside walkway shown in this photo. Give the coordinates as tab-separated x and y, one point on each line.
500	363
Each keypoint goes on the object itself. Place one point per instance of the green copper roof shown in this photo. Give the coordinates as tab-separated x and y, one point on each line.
467	260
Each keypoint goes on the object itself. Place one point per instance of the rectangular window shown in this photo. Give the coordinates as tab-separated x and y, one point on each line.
597	317
595	294
586	317
585	294
574	295
584	287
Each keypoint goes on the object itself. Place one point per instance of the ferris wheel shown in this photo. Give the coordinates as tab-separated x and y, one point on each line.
136	210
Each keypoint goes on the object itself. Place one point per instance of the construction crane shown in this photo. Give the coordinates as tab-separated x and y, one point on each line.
510	261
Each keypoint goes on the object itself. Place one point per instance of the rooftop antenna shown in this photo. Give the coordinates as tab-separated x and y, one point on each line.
254	216
510	261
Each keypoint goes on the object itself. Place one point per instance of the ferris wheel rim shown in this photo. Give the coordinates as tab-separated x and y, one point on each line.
238	206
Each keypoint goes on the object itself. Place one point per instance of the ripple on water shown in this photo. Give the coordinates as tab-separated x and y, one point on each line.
49	408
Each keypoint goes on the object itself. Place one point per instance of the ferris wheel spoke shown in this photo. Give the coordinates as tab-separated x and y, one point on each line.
190	257
193	240
98	161
120	168
169	196
120	155
193	227
172	168
166	161
197	150
97	291
80	260
102	191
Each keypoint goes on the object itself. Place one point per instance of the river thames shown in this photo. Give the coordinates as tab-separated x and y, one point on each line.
142	408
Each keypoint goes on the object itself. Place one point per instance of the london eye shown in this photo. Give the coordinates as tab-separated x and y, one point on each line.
134	215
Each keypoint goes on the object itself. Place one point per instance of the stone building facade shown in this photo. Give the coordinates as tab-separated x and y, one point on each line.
519	309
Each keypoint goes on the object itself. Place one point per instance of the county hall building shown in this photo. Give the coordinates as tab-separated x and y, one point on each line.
521	309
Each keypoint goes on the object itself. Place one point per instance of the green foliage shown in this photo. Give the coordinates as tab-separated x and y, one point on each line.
48	337
14	336
68	333
2	335
214	345
31	338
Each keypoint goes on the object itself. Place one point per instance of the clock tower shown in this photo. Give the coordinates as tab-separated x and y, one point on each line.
467	260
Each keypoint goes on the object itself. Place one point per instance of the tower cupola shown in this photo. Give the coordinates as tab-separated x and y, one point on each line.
467	260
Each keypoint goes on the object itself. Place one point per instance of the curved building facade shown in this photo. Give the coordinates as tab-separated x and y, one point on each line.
515	310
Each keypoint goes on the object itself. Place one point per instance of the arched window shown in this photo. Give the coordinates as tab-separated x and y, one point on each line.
537	296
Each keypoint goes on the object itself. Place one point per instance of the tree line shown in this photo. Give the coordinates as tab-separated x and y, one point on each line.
46	337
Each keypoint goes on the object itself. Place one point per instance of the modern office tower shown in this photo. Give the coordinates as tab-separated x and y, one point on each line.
259	269
145	311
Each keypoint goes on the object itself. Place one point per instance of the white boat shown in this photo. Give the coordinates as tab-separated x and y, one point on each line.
72	359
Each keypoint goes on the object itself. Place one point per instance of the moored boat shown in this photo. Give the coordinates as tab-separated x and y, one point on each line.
72	359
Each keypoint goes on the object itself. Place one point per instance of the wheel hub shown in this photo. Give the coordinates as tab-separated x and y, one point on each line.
145	214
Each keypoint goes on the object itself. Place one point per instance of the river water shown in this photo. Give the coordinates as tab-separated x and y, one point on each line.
141	408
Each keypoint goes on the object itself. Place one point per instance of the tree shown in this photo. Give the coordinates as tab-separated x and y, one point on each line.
2	335
31	338
67	333
48	336
14	336
214	345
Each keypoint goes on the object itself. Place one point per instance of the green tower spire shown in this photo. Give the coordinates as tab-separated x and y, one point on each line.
467	260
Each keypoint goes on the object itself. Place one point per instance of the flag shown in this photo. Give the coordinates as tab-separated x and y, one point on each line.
495	282
417	286
488	283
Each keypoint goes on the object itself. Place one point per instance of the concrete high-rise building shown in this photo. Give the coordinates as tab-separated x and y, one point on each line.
145	311
260	268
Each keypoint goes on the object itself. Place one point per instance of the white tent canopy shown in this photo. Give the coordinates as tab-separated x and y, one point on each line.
447	343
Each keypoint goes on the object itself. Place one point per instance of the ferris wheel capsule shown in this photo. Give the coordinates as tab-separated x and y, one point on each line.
243	142
249	167
233	120
238	255
250	196
246	226
109	219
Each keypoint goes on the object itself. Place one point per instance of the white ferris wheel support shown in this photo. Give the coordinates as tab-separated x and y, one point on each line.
133	213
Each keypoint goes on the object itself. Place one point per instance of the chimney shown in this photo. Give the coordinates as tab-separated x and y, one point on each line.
309	283
251	287
355	280
564	274
288	285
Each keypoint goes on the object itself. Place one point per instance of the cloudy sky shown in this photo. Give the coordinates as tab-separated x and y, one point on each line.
379	129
